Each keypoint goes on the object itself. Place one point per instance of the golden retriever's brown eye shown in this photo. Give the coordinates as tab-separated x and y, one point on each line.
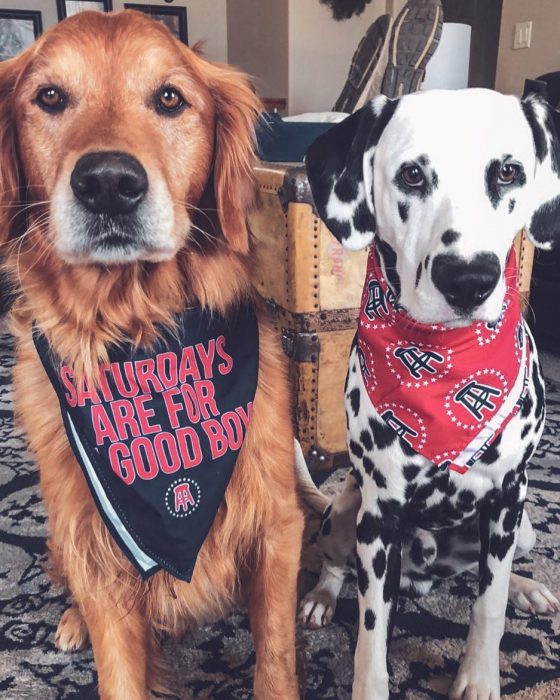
508	173
52	99
170	101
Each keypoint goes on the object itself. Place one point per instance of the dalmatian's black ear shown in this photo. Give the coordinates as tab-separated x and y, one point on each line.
544	224
340	171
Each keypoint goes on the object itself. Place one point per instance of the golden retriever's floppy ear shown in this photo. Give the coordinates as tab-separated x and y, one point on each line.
237	109
11	176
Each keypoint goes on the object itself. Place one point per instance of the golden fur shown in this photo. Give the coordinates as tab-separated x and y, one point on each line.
253	546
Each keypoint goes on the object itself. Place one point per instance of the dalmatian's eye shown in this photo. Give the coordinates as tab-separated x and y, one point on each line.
412	176
508	173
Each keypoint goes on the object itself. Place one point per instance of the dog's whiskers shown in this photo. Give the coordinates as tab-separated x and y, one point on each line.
37	225
21	210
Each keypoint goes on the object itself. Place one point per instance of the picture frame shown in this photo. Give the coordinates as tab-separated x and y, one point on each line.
174	18
18	30
68	8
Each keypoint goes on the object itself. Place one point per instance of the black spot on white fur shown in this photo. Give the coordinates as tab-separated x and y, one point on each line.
450	237
356	449
363	578
418	274
366	440
391	585
362	218
379	562
544	222
368	465
410	471
491	178
369	619
355	401
492	454
383	435
368	527
389	259
346	190
403	211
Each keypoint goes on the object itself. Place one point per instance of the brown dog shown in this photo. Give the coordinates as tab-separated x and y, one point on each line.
120	83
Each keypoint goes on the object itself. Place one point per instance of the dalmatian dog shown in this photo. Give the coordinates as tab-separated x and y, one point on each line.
438	183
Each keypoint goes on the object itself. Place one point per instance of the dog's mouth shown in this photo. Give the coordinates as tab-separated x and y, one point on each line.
109	232
113	213
113	234
84	238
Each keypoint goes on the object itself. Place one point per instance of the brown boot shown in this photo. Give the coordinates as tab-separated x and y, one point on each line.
367	68
414	38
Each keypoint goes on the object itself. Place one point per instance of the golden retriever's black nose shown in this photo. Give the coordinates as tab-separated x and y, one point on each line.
466	285
108	182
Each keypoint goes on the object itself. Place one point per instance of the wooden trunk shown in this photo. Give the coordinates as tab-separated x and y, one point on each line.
312	287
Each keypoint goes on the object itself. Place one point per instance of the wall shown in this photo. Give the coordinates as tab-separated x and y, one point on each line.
320	52
258	43
47	8
206	19
544	54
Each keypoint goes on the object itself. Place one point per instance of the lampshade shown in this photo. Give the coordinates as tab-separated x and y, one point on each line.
449	66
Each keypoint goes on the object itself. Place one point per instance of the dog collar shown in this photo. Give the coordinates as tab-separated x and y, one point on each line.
157	435
448	392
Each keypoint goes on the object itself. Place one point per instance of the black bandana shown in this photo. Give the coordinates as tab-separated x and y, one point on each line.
158	436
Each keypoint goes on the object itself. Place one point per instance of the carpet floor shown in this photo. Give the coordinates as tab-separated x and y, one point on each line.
217	661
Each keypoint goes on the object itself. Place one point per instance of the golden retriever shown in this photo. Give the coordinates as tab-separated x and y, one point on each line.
120	83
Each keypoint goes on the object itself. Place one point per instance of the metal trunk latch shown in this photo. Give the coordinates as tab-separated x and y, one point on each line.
300	347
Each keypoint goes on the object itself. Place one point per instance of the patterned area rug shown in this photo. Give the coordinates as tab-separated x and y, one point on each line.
217	661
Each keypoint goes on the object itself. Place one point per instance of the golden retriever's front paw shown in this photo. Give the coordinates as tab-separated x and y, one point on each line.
317	609
531	596
71	634
477	679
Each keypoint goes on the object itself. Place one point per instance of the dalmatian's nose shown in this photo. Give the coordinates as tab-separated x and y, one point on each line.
466	285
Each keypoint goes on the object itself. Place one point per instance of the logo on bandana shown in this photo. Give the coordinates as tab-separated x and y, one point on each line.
477	397
376	305
399	426
471	403
182	497
417	361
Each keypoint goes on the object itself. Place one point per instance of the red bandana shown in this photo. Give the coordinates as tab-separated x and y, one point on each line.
449	392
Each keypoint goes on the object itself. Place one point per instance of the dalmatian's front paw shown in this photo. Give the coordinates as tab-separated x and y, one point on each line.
532	596
478	678
317	609
71	634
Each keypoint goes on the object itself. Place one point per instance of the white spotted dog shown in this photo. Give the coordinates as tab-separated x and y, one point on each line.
444	395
